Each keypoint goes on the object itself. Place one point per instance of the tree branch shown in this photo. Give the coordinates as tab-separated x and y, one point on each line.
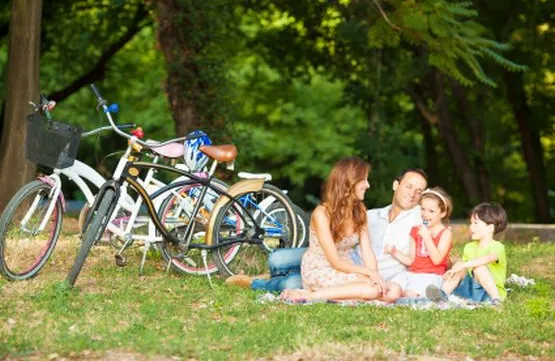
426	113
97	72
384	15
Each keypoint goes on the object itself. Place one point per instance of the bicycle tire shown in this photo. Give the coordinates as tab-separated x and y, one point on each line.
97	225
11	225
189	262
303	226
252	259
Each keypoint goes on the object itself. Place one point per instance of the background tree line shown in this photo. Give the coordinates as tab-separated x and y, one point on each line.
463	89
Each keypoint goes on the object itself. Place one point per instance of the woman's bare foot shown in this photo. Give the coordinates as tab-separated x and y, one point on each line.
295	295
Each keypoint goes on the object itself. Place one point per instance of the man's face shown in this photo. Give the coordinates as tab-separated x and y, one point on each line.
408	191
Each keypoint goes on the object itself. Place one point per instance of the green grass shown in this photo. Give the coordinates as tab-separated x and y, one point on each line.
158	314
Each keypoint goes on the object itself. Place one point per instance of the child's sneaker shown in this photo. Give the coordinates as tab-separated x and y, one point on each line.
436	294
496	302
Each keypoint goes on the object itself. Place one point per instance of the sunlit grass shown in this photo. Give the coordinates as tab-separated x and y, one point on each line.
114	309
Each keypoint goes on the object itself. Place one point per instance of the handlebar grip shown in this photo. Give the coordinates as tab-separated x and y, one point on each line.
96	92
126	125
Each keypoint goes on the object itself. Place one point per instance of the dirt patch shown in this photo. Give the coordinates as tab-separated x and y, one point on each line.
332	352
319	353
96	356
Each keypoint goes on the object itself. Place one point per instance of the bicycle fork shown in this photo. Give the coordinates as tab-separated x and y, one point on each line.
56	183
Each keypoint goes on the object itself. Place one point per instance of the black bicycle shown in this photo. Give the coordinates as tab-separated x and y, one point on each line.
247	220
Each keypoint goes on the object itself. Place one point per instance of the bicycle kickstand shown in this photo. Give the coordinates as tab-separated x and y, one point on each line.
120	260
204	253
143	260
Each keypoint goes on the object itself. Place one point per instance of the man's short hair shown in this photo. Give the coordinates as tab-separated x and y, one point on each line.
420	171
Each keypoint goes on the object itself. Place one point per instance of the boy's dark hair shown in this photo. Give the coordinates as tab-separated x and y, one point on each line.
491	213
402	174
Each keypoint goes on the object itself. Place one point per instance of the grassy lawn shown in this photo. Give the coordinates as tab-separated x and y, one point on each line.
114	314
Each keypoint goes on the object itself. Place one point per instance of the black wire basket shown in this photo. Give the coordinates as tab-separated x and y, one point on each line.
50	143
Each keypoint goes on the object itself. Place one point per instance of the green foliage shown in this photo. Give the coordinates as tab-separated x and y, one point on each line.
296	131
452	37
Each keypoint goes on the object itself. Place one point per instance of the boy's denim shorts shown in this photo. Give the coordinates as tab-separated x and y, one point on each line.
469	288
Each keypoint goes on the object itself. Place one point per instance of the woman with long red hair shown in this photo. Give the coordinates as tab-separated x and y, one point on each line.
337	225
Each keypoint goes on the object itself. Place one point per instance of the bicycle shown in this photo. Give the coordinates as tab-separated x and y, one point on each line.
31	223
243	225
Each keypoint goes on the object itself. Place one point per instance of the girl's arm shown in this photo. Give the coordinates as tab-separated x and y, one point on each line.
438	253
321	223
406	259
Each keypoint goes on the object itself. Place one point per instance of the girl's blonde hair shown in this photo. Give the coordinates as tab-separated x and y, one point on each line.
339	196
442	198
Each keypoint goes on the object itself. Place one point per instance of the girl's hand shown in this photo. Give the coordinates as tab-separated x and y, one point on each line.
389	249
423	231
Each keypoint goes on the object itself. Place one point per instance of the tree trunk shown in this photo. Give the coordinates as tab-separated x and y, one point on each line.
531	145
183	84
430	152
23	83
447	132
476	132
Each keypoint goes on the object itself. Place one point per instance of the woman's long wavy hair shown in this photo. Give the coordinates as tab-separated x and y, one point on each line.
339	196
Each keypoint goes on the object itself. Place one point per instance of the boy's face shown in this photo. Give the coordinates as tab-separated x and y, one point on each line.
480	229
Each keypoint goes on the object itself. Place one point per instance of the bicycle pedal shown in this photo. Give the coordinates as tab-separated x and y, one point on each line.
120	260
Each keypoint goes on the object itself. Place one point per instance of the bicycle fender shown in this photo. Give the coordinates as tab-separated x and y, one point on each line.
243	186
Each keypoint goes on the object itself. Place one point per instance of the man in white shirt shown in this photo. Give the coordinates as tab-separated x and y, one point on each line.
388	225
391	225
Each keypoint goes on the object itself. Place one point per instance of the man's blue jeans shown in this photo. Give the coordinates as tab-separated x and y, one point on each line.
285	271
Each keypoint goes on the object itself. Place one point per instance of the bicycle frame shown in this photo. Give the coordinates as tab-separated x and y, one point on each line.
132	169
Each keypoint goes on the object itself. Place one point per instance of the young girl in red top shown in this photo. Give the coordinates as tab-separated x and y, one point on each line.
430	245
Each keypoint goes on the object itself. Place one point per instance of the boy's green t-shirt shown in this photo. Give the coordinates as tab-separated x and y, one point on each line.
498	269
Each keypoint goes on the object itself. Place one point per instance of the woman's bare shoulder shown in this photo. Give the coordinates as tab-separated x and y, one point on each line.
320	213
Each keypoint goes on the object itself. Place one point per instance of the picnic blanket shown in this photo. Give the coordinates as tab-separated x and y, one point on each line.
421	303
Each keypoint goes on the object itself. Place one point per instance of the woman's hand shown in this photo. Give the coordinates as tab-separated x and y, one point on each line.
377	281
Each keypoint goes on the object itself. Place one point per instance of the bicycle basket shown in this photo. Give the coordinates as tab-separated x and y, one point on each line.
51	143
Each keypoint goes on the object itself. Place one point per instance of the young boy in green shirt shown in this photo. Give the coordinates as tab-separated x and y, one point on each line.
481	275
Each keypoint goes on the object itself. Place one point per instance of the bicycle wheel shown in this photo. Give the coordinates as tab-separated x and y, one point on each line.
175	214
303	223
25	245
250	256
93	232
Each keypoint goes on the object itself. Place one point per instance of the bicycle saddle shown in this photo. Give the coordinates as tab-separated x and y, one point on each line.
221	153
172	150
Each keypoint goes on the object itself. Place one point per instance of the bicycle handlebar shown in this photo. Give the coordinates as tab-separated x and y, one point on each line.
102	104
106	127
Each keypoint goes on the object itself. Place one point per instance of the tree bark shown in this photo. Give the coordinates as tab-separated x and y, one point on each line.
22	82
182	94
447	131
441	118
477	138
532	149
